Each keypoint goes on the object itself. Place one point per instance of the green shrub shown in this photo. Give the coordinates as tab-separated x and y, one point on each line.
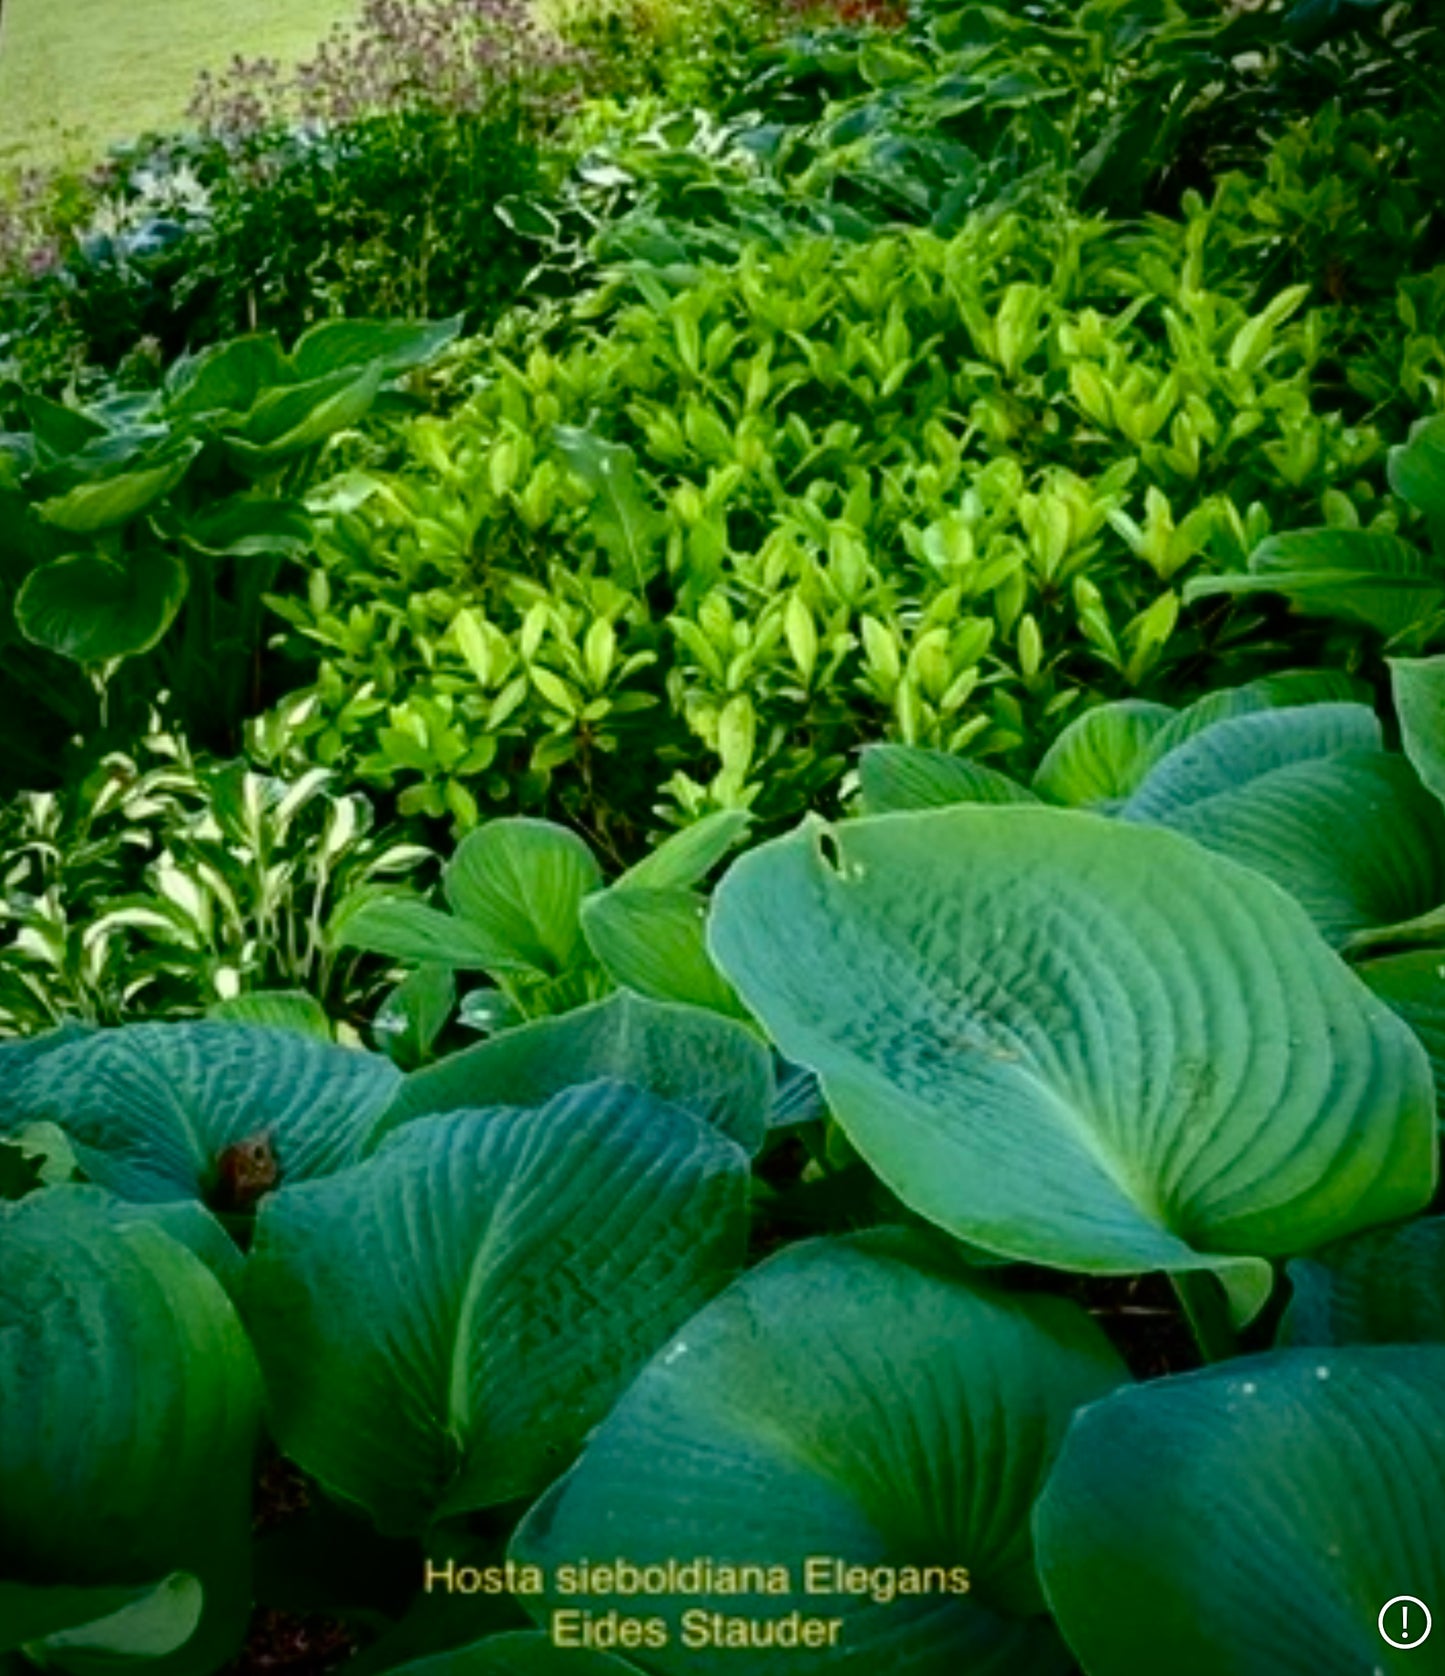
940	487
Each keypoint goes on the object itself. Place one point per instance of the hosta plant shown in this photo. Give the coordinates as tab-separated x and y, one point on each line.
154	523
167	884
527	906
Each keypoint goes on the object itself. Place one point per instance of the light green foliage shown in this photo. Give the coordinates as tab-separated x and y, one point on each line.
526	906
1373	577
924	484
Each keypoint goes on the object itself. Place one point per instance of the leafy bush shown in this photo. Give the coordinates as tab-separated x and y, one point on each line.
362	182
944	487
154	524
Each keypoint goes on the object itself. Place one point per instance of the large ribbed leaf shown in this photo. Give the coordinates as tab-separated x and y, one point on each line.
915	777
1355	838
1384	1287
1414	985
441	1326
1361	576
708	1065
1419	689
130	1403
153	1109
1238	749
1101	756
520	1654
515	888
1082	1042
392	345
92	608
521	882
1307	797
1253	1519
864	1399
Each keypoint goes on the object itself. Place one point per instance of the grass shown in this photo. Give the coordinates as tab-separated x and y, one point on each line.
77	75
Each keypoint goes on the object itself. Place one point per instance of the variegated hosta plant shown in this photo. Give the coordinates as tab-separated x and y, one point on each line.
167	884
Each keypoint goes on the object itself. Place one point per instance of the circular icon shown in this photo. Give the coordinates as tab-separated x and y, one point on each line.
1405	1621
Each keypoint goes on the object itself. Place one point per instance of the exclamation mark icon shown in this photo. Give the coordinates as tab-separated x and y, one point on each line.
1404	1622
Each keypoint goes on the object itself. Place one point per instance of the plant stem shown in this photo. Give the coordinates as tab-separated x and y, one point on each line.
1207	1309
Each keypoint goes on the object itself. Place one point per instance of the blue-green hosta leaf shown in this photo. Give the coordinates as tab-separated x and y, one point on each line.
864	1398
441	1326
1384	1287
155	1111
654	943
396	346
1101	757
92	608
1355	838
1230	753
1418	685
1417	469
915	777
1082	1042
131	1407
709	1065
116	499
1362	576
188	1223
1252	1519
520	883
1290	689
1306	796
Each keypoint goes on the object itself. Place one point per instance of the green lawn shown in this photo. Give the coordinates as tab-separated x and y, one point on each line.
76	75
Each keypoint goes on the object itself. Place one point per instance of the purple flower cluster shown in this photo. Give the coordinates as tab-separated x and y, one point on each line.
30	239
455	57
